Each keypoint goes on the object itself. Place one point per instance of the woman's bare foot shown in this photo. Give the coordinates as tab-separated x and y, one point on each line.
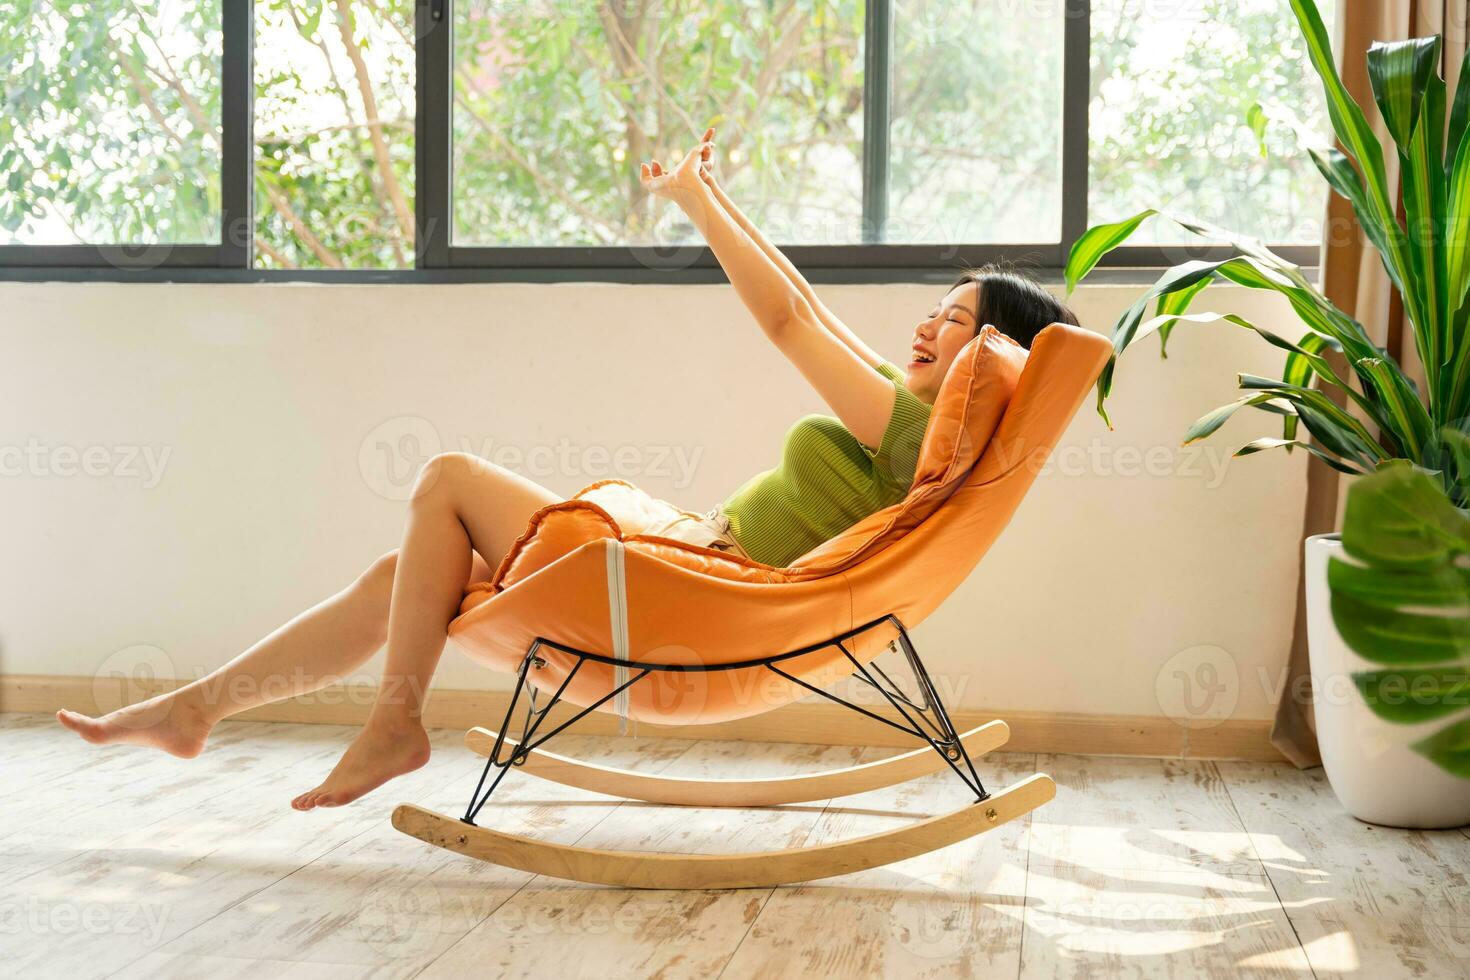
169	722
382	750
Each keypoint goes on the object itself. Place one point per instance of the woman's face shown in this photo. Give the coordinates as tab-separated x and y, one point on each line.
939	337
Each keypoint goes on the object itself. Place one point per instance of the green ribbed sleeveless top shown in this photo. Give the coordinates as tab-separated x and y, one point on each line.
827	480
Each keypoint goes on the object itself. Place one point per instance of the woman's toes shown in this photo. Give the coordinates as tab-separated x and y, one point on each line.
87	727
309	800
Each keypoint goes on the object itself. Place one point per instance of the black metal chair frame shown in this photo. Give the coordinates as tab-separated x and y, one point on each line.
924	715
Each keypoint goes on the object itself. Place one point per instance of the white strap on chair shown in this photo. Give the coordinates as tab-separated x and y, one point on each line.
617	609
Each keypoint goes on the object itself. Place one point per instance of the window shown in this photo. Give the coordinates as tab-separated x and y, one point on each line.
968	157
117	115
113	144
1167	117
557	101
501	138
334	128
858	135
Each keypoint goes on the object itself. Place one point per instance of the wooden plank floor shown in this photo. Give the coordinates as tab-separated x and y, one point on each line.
123	863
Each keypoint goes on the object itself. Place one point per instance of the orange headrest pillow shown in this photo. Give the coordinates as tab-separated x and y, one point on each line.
976	390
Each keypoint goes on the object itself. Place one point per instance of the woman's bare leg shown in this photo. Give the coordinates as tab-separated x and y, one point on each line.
321	646
462	503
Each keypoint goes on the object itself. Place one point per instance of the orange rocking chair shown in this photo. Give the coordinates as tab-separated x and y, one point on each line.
669	633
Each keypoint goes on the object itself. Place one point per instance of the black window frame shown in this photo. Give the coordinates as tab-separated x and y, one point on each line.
437	259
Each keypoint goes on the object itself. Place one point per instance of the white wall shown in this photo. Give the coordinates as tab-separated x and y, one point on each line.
280	408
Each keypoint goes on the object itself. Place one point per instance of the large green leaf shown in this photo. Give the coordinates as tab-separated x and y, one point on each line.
1261	445
1411	95
1457	223
1344	178
1356	136
1331	425
1425	209
1389	585
1180	277
1452	456
1315	310
1173	304
1304	357
1388	635
1399	72
1388	401
1413	695
1449	748
1309	348
1098	241
1456	386
1459	112
1207	424
1402	519
1255	266
1407	419
1304	362
1336	435
1402	599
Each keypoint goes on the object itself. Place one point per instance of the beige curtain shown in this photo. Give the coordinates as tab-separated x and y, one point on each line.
1353	278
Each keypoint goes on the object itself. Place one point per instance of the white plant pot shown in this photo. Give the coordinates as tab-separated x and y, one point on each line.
1377	777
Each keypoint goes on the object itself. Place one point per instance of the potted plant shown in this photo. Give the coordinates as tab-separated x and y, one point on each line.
1388	599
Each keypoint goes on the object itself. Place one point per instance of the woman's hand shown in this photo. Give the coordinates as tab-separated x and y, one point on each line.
706	159
687	179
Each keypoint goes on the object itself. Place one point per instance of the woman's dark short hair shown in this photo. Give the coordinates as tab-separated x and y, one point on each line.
1014	303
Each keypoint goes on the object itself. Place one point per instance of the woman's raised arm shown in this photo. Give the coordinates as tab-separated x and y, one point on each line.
828	319
861	397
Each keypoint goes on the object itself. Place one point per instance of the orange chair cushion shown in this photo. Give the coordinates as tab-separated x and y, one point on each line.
554	530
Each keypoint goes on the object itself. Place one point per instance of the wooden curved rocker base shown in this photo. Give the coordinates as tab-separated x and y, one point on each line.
762	869
768	791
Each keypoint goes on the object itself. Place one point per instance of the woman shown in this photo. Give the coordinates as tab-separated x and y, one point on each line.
466	512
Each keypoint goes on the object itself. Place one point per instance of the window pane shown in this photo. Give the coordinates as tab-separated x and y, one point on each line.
334	134
110	129
557	102
1171	86
976	149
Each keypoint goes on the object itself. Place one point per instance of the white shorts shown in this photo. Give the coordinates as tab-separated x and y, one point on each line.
711	530
638	512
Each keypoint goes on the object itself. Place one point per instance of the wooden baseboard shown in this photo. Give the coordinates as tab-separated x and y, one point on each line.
817	723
